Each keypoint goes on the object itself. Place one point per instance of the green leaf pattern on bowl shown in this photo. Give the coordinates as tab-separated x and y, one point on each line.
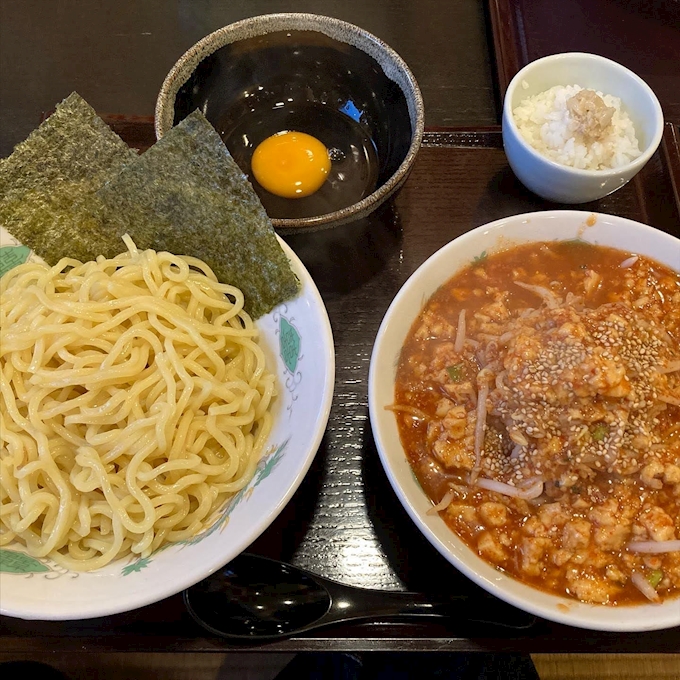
15	562
264	468
12	256
289	343
290	351
137	565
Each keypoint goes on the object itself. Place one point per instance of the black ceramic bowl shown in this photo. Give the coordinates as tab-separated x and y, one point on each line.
312	74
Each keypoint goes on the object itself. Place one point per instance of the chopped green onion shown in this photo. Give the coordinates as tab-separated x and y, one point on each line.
455	372
599	432
655	578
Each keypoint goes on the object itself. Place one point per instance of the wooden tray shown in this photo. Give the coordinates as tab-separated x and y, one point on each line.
671	151
643	36
345	521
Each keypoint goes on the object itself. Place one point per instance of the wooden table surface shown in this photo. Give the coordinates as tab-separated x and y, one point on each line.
344	522
116	53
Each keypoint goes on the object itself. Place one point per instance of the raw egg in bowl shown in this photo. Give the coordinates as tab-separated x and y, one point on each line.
291	164
324	118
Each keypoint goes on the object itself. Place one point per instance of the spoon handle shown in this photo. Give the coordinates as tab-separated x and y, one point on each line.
389	604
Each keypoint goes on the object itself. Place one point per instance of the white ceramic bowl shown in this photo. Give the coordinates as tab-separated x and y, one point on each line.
561	183
299	346
555	225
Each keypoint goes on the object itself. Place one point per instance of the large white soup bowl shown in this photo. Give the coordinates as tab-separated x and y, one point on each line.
595	228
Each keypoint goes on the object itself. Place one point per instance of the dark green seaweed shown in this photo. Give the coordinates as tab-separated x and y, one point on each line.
74	188
71	155
186	195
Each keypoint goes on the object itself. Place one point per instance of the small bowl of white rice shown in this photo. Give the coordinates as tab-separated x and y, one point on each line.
578	126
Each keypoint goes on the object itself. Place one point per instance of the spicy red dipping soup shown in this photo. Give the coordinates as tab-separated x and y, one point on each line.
538	400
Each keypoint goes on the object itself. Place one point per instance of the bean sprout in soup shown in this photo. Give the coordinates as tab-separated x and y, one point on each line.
538	400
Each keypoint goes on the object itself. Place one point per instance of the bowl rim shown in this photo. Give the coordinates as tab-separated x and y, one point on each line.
635	165
216	560
501	584
305	22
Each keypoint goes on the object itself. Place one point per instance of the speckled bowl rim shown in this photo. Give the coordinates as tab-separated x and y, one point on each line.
391	63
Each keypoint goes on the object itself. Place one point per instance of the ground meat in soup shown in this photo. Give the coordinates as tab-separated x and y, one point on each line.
540	389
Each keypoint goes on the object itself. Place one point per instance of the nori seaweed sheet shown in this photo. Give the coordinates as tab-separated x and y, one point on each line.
71	155
186	195
73	188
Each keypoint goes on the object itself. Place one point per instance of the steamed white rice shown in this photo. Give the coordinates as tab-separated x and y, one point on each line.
546	124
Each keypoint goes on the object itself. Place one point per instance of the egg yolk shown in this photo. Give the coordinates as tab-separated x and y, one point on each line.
291	164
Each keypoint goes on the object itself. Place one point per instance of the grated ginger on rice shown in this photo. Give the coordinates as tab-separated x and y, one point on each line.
548	122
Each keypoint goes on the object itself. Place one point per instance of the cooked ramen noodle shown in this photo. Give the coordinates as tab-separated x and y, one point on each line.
538	400
135	402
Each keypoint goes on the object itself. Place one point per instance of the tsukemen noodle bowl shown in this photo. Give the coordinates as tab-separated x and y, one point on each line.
151	429
533	398
166	366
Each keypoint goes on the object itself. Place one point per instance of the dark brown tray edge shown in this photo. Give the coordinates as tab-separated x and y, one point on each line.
602	643
138	131
511	48
490	137
463	137
379	637
671	153
506	29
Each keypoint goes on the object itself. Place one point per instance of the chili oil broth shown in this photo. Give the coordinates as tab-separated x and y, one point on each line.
561	266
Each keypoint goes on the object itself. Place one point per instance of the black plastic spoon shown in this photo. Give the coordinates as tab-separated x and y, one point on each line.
255	599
